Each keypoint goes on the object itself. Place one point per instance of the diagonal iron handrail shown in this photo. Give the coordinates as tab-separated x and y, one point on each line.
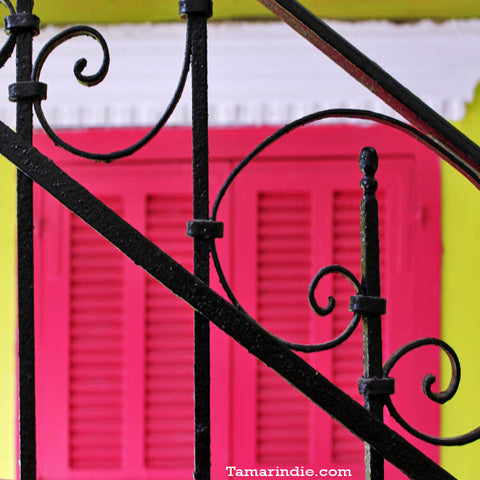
203	299
463	154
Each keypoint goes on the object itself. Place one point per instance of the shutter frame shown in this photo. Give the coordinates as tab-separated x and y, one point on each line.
303	146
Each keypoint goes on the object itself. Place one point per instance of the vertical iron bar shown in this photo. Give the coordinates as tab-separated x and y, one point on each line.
372	328
197	25
26	337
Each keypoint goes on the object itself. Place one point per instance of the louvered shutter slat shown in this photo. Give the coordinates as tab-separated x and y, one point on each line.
281	410
96	349
169	345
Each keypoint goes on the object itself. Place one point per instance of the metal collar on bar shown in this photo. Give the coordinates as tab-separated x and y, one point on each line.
376	386
27	90
204	229
22	21
368	305
190	7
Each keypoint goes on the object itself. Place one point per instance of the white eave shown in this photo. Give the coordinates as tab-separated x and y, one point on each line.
259	73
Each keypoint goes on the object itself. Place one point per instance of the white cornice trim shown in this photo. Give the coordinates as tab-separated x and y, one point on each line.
260	73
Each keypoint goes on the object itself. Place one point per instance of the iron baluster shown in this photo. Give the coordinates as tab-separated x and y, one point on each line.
197	13
26	26
372	328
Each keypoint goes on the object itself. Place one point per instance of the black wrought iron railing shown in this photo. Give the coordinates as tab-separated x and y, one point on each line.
376	385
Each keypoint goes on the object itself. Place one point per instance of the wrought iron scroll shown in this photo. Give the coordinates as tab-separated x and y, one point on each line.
95	79
281	132
464	154
376	386
427	384
8	47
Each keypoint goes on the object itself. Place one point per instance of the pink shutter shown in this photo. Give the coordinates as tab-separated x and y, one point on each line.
346	360
80	346
129	372
169	345
288	227
114	347
293	212
284	225
96	355
275	235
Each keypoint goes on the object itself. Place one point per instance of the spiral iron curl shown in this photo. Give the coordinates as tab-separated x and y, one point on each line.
281	132
428	381
95	79
320	347
8	47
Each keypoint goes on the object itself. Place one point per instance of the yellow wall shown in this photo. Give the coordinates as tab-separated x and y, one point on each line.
7	318
117	11
460	303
